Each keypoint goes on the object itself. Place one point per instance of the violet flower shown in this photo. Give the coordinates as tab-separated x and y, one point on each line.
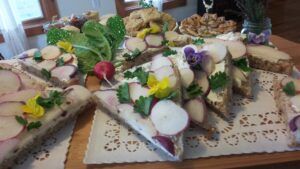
262	38
194	58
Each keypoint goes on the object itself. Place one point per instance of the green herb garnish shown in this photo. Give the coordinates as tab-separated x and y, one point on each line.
218	80
165	42
143	105
165	27
194	90
134	54
242	64
46	74
55	98
34	125
21	120
169	52
290	89
123	93
60	62
144	4
172	95
138	73
37	56
198	41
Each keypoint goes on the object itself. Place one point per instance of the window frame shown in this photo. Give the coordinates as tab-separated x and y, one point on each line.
124	8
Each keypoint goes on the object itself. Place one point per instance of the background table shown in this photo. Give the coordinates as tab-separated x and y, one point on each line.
84	123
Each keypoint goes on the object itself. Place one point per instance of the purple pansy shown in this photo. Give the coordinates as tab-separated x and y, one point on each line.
262	38
194	58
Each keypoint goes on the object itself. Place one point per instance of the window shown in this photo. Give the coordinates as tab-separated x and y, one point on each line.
33	13
124	7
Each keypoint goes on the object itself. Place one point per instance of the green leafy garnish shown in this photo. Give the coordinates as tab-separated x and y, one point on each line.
21	120
117	26
242	64
37	56
34	125
60	62
46	74
172	95
139	73
131	56
290	89
123	93
144	4
165	27
169	52
198	41
194	90
165	42
54	98
218	80
143	105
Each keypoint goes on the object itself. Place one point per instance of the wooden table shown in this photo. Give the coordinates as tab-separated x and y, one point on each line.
82	130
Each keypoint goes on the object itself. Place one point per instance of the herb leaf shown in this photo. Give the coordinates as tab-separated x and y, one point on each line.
21	120
143	105
37	56
134	54
243	65
139	73
46	74
144	4
169	52
165	42
34	125
55	98
290	89
198	41
172	95
60	62
165	27
194	90
123	93
218	80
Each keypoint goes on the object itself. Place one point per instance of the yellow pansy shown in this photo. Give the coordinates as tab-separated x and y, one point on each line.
33	108
160	89
141	34
155	28
67	46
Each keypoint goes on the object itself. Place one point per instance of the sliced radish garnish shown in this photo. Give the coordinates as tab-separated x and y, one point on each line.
267	53
160	62
217	51
202	81
294	124
65	72
19	96
11	108
197	110
105	70
31	52
67	57
171	35
236	48
166	143
10	82
208	65
135	43
296	82
109	99
47	64
9	127
187	77
163	72
295	101
169	118
50	52
136	90
154	41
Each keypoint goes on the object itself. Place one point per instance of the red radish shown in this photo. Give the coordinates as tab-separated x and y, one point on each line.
295	101
135	43
11	108
109	99
47	64
166	143
208	65
296	82
136	90
9	127
105	70
236	48
7	145
67	57
197	110
187	77
65	72
163	72
294	124
19	96
267	53
154	40
160	62
50	52
216	50
10	82
202	81
169	118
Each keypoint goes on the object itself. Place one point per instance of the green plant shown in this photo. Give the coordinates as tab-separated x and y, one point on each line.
253	10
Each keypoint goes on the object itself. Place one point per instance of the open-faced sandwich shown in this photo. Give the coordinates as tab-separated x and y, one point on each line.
30	112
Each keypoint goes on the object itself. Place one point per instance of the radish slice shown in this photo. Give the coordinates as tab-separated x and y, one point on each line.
20	96
217	51
109	99
154	41
202	81
296	82
267	53
67	57
11	108
236	48
295	100
163	72
135	43
197	110
166	143
65	72
50	52
294	124
171	35
10	82
47	64
136	90
187	77
169	118
9	127
160	62
208	65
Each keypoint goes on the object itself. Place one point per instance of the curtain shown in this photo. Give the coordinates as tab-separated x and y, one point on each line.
12	29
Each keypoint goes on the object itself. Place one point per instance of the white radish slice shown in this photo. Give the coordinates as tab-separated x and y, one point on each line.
11	108
135	43
187	77
31	52
7	145
19	96
202	81
267	53
163	72
160	62
197	110
10	82
238	76
9	127
154	41
296	82
50	52
47	64
109	99
295	101
208	65
236	48
166	143
171	35
136	90
65	72
67	57
169	118
217	51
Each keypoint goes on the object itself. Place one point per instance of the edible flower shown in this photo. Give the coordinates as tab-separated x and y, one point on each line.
66	46
262	38
160	89
33	108
194	58
154	28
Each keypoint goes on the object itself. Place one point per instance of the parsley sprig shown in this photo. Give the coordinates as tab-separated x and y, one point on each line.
198	41
218	80
194	90
60	62
140	73
131	56
290	89
169	52
243	65
143	105
165	27
123	93
54	98
38	56
29	126
46	74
